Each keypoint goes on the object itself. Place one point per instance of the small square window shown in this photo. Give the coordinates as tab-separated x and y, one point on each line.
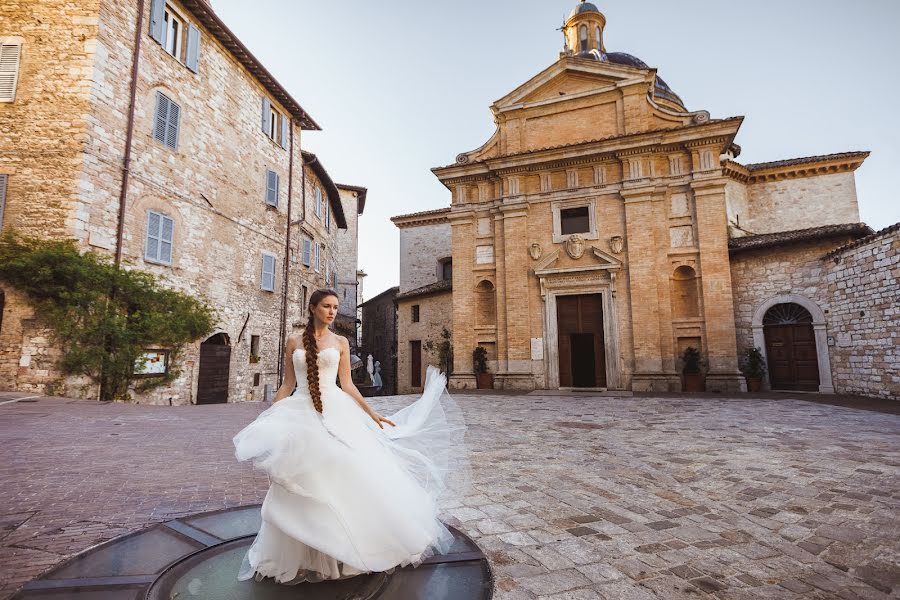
415	313
575	220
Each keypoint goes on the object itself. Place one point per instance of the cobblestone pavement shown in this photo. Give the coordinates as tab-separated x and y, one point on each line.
575	498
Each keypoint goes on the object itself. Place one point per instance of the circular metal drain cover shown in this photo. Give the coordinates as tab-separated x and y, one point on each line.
198	558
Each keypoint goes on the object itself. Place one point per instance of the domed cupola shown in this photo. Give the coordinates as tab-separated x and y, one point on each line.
583	32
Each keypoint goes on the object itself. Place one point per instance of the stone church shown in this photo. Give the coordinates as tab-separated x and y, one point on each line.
605	227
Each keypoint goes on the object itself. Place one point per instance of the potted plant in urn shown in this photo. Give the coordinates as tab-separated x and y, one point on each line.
691	370
483	379
754	368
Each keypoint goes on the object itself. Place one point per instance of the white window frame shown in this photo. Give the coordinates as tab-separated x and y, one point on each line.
328	216
174	47
274	122
318	196
556	207
9	70
318	263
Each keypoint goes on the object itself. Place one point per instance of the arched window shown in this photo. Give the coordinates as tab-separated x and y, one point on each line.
598	38
685	293
583	35
787	314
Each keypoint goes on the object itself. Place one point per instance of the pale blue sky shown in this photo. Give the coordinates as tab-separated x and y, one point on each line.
400	86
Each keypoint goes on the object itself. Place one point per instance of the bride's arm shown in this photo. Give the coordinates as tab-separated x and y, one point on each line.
290	378
350	388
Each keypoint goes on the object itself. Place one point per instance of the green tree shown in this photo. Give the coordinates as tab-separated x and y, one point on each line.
103	317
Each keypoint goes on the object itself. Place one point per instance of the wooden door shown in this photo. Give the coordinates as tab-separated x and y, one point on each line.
793	363
415	370
212	381
582	353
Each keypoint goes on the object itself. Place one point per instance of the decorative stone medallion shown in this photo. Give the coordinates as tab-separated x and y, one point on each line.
535	251
617	244
575	246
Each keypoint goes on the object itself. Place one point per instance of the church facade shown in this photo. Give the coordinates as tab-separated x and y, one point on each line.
593	235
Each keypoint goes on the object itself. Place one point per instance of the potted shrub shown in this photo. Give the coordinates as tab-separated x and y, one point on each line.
692	362
483	379
754	368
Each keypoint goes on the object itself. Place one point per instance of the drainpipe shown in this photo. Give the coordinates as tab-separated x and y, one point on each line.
287	258
129	132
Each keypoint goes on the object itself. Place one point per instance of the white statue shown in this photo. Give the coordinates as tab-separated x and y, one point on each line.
370	367
376	378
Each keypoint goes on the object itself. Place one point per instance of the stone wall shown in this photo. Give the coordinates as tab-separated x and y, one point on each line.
801	203
420	249
435	314
347	255
864	321
856	298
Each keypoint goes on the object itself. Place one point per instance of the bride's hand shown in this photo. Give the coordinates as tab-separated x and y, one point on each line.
379	419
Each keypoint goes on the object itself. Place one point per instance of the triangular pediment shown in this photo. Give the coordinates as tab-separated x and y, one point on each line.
567	78
593	259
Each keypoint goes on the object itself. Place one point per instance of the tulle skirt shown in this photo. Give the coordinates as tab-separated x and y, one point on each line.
347	497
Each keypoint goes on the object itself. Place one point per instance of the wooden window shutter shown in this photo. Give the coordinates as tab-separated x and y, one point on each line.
151	247
165	239
9	70
266	114
318	257
174	122
271	188
307	250
4	179
268	273
168	121
285	123
157	21
192	57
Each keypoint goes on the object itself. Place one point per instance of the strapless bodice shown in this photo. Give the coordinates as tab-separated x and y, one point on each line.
328	361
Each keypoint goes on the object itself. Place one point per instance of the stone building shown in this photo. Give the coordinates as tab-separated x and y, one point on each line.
353	201
424	299
605	227
158	138
379	335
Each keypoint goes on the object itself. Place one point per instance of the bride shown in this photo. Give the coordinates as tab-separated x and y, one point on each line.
351	491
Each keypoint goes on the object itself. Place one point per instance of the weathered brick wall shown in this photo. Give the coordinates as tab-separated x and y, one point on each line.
420	249
435	314
864	287
802	202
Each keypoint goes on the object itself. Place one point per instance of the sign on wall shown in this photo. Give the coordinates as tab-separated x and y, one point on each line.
152	363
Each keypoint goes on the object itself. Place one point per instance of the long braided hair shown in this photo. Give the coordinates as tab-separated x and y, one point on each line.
312	351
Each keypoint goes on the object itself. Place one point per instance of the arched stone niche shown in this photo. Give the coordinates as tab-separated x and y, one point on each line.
485	303
685	293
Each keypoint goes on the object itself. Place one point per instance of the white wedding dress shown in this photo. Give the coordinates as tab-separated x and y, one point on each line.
347	497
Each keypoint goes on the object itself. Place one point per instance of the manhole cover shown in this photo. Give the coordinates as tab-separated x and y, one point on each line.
198	558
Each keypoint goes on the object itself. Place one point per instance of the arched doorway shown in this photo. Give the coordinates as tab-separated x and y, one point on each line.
215	359
791	348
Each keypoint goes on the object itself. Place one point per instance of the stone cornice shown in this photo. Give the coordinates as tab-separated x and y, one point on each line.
796	168
429	217
735	171
719	132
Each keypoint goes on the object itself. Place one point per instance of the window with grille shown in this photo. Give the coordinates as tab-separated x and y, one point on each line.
158	243
415	313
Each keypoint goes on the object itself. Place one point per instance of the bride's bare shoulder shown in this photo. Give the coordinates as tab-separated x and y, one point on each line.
295	340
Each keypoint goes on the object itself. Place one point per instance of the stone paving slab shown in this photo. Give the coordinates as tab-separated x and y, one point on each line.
573	497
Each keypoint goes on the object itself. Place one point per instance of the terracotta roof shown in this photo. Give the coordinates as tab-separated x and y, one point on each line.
437	287
786	238
805	160
594	141
424	213
361	193
334	198
866	239
389	291
203	12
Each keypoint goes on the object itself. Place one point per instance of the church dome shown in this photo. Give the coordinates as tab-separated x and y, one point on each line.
583	7
662	90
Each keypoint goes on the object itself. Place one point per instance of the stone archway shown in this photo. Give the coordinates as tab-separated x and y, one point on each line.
823	361
215	362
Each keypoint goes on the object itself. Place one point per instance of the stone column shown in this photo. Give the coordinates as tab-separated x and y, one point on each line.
715	271
462	224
